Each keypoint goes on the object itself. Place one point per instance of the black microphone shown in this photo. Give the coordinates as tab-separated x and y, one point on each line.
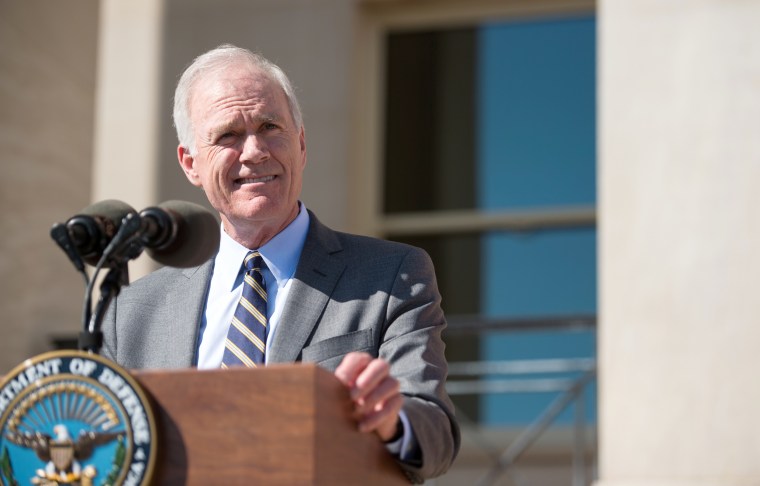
179	233
60	235
93	229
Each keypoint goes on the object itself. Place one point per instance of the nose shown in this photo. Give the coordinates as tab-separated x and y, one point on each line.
255	149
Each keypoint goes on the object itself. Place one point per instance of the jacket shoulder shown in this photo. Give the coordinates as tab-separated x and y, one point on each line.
155	283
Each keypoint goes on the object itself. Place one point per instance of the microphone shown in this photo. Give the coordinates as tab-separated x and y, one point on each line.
60	235
93	229
179	233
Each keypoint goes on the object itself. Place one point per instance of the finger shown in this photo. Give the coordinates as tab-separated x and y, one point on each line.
351	366
383	421
369	378
382	392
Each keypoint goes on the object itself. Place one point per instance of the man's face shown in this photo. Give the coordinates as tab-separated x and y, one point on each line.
250	155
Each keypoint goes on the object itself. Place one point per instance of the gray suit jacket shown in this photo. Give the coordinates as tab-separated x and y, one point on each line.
350	293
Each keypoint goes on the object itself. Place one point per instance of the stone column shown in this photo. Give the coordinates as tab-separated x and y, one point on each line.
128	104
679	175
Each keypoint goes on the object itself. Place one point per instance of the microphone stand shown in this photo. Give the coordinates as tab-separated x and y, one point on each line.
91	337
124	246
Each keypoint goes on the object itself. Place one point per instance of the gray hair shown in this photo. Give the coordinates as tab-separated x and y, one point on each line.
220	57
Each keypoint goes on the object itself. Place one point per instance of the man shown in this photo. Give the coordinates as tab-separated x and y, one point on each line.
367	309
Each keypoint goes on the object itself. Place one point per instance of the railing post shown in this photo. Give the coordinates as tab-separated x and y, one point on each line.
579	447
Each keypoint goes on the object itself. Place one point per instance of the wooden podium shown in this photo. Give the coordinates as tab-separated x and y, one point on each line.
281	425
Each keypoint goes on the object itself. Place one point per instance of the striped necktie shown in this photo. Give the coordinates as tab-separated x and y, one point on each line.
247	336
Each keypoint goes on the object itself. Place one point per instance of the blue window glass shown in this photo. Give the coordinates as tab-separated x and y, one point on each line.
549	273
536	114
536	148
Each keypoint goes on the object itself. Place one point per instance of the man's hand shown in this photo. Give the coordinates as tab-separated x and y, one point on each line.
375	393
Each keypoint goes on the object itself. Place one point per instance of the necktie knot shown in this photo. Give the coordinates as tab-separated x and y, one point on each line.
253	261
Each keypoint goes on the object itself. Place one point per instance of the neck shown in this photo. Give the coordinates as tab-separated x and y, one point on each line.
254	235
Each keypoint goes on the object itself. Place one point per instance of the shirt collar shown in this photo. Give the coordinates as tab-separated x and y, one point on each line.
281	253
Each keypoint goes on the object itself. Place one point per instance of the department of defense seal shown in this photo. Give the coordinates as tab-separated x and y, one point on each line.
74	418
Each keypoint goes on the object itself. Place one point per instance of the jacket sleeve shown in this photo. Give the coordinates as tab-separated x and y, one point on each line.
413	347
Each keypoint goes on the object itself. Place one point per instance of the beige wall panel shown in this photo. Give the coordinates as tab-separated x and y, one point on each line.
679	235
47	81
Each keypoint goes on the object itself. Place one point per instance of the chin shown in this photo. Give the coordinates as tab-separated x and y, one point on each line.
259	212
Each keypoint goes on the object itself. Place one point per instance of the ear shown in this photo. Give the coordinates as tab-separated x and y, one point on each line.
302	141
187	162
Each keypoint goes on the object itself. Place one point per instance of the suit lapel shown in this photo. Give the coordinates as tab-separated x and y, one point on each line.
187	299
318	271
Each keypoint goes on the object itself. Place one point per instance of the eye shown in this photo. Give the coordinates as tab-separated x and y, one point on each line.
226	137
269	126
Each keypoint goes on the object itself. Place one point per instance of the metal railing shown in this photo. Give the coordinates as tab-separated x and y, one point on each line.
496	377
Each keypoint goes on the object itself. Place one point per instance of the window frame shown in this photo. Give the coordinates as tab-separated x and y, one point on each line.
376	19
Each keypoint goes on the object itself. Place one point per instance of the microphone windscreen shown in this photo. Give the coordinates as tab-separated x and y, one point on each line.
197	237
93	228
111	209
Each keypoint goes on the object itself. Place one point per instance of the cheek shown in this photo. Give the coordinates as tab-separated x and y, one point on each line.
218	162
215	152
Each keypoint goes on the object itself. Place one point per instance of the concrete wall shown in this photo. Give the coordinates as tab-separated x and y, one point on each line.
679	167
47	84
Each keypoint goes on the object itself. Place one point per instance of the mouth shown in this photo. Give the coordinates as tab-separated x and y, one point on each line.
254	180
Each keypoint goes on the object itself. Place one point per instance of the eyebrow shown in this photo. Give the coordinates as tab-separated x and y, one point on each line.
222	127
227	125
266	117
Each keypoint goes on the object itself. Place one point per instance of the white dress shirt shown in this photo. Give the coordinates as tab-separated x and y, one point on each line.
280	254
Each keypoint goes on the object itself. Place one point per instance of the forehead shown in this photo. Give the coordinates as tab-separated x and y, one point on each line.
233	88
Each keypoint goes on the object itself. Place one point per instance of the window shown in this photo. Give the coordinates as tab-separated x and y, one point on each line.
489	164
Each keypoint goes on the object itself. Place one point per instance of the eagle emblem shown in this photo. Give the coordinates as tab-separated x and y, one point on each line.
70	418
63	455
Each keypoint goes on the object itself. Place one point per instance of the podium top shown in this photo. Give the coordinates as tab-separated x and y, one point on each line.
278	425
